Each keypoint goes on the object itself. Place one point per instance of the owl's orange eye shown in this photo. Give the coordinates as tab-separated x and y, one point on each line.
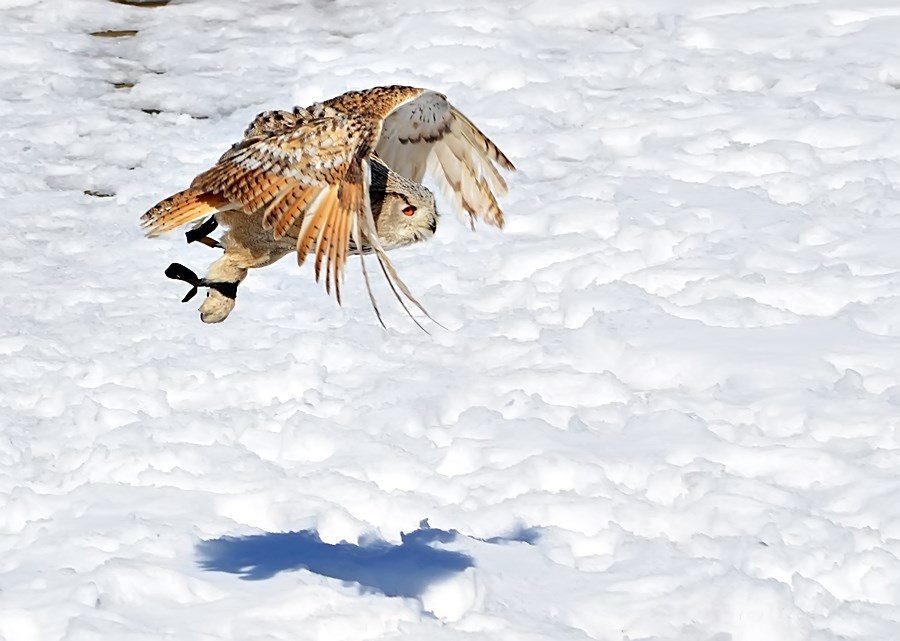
409	210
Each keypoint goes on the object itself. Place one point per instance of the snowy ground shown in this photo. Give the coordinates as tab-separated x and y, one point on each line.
666	406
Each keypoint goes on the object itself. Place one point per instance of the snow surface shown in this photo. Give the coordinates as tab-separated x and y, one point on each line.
665	407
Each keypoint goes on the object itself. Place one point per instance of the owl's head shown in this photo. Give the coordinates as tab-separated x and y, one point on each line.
404	211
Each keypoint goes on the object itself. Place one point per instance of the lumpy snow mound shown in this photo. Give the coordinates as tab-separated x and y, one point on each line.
667	402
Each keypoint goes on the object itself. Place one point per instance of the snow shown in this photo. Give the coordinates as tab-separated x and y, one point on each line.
665	406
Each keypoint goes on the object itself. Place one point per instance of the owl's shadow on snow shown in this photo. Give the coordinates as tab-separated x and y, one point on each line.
403	570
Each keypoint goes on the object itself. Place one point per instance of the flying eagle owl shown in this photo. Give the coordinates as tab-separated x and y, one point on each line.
337	178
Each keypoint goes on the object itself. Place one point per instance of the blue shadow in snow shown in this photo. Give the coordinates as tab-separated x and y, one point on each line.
394	570
529	535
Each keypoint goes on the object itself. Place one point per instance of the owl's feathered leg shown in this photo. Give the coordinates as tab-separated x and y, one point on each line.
247	246
222	278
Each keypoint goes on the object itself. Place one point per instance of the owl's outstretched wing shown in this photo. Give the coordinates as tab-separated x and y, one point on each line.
310	174
303	168
429	137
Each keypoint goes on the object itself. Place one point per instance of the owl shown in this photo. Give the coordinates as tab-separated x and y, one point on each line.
335	179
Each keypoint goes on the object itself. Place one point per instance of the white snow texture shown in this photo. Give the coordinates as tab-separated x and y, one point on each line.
665	406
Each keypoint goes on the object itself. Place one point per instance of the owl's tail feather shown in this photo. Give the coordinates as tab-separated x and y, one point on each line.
182	208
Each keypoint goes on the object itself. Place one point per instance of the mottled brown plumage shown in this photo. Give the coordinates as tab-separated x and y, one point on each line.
307	173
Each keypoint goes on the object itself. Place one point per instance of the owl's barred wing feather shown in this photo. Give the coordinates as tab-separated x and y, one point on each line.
180	209
376	103
429	136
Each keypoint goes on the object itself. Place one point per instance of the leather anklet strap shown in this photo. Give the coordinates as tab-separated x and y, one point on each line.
177	271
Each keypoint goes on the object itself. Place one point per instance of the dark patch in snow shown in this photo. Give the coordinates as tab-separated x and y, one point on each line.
115	33
144	4
528	535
